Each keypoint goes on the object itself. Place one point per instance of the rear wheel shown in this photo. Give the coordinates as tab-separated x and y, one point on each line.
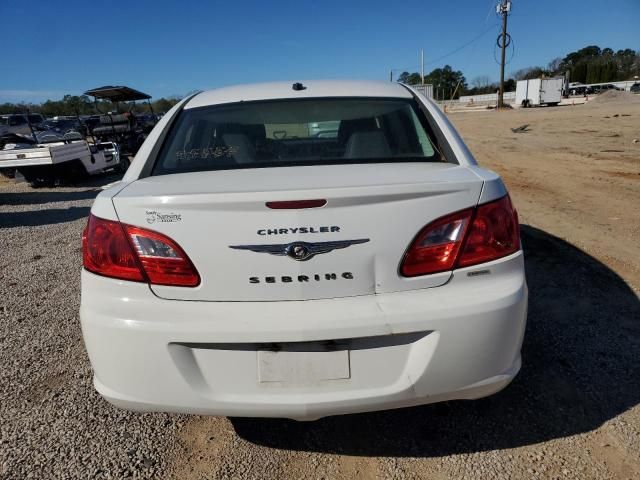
38	177
74	172
123	165
8	172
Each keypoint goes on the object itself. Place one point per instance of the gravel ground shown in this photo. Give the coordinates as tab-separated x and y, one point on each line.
573	412
52	423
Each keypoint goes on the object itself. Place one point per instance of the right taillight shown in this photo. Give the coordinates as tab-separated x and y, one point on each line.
464	238
494	233
114	250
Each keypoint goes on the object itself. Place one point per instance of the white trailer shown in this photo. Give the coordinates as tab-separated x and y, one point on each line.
44	163
539	91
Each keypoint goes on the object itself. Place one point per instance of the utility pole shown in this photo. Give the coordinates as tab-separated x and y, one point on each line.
391	75
422	65
503	8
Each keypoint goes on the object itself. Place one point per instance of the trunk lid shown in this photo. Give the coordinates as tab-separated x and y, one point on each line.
237	243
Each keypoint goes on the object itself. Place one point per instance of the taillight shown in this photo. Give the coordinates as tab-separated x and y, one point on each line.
163	260
106	251
132	253
436	247
463	239
494	233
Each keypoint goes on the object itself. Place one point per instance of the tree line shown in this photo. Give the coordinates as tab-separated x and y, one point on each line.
590	64
84	105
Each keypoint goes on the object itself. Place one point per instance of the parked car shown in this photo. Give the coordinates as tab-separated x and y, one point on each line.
581	90
605	87
635	88
65	127
146	121
19	123
245	268
324	129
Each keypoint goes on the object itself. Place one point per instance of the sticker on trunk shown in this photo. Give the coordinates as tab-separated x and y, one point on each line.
154	216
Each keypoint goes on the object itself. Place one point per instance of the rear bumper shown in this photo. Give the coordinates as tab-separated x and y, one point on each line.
458	341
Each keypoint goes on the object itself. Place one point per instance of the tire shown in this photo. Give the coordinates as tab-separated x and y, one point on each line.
37	177
74	173
8	172
123	166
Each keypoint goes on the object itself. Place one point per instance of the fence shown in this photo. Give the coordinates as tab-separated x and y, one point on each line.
487	98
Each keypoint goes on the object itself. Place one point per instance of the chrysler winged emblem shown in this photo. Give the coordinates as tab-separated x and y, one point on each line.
300	251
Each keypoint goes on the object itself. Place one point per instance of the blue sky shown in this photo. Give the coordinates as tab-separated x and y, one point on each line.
171	47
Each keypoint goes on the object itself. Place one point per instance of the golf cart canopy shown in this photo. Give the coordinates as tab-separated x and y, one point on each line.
117	94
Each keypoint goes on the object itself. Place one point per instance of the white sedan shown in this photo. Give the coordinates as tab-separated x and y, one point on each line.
302	250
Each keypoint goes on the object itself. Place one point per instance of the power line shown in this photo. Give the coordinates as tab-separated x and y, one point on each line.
405	69
453	52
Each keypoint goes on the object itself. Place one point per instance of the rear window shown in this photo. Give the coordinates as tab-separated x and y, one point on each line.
297	132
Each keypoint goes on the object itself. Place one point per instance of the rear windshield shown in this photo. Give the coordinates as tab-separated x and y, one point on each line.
297	132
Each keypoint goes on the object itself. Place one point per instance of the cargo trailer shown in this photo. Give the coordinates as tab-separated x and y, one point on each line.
539	91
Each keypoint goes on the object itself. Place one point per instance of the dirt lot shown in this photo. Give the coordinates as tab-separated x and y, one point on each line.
575	172
573	412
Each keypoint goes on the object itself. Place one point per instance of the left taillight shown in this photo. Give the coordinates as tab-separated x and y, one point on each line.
107	251
131	253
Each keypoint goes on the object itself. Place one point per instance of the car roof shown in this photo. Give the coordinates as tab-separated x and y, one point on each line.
285	90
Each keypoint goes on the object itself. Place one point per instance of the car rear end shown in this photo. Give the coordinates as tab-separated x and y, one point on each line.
302	253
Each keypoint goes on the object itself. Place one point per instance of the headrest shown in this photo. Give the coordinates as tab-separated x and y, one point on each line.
367	145
348	127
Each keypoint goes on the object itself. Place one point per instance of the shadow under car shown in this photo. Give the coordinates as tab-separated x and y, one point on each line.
580	369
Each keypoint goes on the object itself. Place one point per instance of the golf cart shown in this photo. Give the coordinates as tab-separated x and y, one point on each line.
54	152
49	160
125	129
